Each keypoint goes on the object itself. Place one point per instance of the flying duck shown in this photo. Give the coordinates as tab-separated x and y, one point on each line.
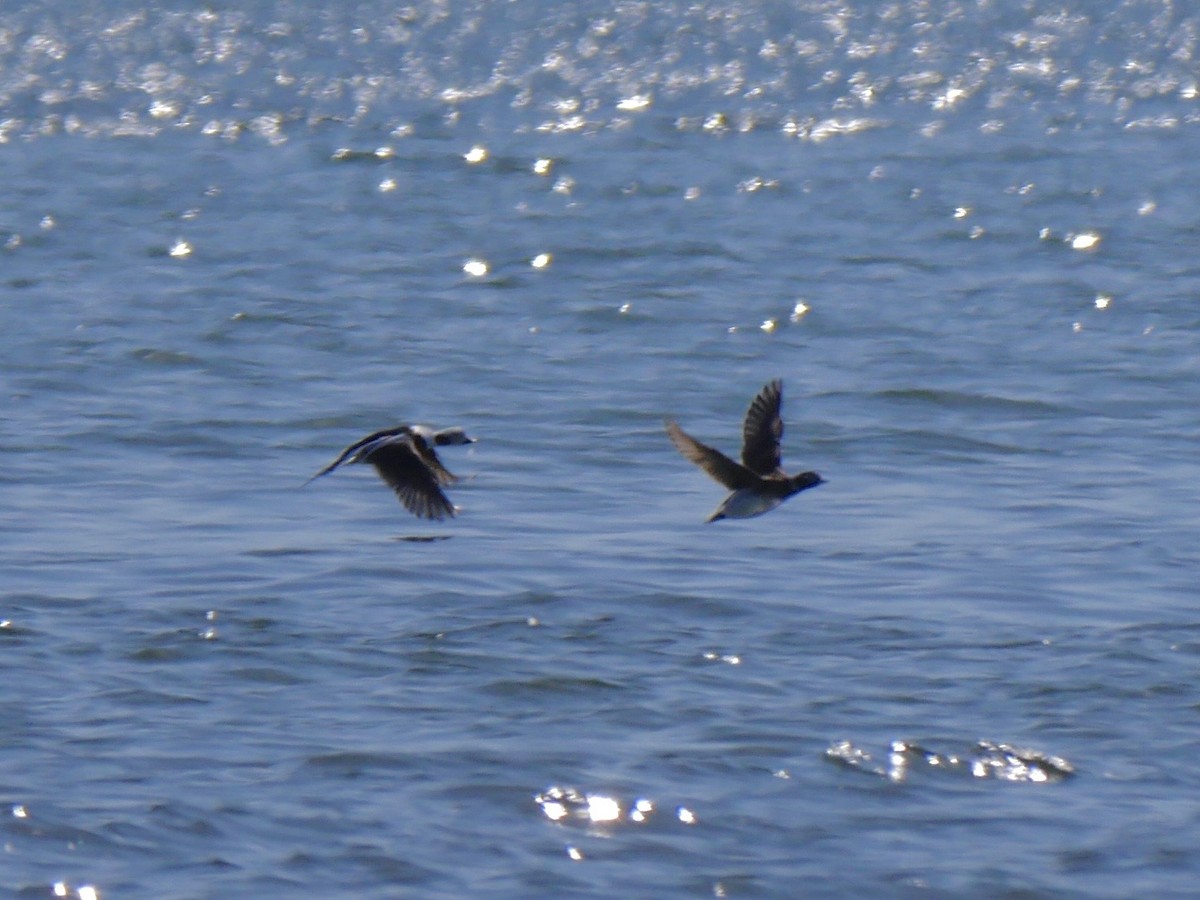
405	459
758	484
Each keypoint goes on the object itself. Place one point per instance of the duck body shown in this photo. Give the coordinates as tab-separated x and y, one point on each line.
405	459
758	483
746	503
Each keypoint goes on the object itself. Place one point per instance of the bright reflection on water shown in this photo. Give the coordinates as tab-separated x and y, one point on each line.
603	809
1086	240
568	804
987	759
83	892
635	103
475	268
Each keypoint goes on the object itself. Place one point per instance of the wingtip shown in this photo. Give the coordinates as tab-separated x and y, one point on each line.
313	478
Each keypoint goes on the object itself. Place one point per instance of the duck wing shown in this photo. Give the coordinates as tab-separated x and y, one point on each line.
762	431
424	449
405	471
359	448
712	461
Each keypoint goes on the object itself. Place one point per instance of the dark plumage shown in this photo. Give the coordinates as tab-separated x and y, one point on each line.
758	484
405	459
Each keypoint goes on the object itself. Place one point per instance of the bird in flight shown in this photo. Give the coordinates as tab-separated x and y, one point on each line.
405	459
758	484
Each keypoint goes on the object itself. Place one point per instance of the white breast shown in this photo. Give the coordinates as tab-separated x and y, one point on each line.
747	503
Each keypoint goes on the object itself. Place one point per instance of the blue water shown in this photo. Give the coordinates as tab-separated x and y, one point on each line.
236	240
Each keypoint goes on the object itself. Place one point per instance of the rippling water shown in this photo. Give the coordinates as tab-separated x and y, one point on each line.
236	240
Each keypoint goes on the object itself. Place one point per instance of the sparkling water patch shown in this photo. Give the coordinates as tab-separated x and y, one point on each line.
570	805
987	759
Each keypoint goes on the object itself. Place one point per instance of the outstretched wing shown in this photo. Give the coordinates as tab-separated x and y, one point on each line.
763	430
399	464
714	462
361	447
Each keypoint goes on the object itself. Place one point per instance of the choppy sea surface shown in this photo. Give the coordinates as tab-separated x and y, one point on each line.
235	238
